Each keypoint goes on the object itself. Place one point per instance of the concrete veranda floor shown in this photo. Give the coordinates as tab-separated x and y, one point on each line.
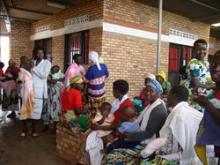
15	150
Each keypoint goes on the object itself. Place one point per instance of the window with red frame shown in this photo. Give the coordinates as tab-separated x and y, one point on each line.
179	56
76	43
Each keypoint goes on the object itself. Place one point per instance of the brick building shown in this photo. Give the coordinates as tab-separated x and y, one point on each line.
124	32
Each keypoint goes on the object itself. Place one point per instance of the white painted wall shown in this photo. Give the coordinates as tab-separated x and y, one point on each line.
4	50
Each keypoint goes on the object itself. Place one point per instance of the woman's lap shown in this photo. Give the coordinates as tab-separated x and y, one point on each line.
123	156
131	157
121	144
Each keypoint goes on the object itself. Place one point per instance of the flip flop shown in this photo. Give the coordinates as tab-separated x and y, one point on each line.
23	134
34	135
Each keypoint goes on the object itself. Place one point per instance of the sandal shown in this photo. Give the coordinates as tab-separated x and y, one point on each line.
34	135
23	134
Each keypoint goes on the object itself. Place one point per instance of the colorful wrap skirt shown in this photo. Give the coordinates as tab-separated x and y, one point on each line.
132	157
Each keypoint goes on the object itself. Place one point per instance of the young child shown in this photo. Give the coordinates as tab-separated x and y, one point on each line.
56	76
104	117
128	125
27	95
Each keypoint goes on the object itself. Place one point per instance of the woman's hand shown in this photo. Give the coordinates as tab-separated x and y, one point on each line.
101	121
125	135
120	135
203	101
94	126
32	64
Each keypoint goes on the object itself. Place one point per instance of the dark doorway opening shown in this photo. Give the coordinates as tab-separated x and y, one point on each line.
47	45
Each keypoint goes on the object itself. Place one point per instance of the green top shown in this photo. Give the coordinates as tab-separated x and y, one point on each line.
166	87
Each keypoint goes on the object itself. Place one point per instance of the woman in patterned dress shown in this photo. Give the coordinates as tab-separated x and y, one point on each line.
198	74
53	107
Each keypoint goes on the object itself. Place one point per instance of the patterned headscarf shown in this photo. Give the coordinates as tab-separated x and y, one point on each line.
76	80
162	74
156	86
94	57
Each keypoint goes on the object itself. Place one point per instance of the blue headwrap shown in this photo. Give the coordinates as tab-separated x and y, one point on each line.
155	85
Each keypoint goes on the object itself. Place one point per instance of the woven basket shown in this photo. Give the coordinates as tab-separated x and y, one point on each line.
69	143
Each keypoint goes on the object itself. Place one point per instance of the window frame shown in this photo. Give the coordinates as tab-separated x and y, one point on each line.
84	47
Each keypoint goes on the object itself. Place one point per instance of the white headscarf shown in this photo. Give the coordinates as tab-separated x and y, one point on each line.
150	76
94	57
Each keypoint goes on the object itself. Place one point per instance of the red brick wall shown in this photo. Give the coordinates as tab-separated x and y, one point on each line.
20	44
93	8
58	50
131	58
95	39
139	15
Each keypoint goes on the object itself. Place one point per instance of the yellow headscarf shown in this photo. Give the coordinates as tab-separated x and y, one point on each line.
76	80
162	74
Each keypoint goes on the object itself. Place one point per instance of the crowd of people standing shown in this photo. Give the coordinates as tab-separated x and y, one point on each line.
163	130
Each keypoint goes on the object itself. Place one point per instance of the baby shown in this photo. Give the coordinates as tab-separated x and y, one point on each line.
129	124
56	76
103	117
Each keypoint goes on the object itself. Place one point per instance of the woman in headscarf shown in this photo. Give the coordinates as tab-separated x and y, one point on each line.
71	99
95	77
151	121
143	96
177	136
163	80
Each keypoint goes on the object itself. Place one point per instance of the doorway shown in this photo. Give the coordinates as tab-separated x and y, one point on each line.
47	45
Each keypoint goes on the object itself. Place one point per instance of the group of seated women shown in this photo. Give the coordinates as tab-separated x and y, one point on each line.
170	132
119	134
